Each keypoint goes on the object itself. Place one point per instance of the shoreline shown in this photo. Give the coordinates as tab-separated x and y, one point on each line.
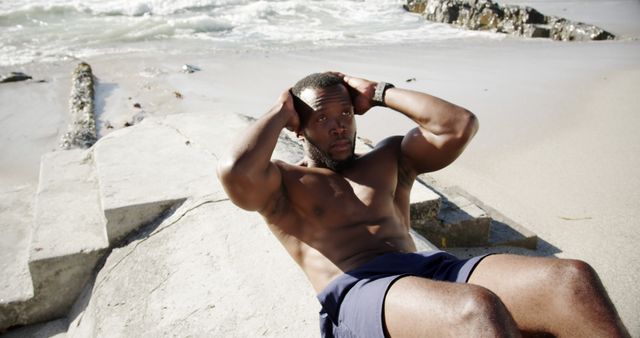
556	149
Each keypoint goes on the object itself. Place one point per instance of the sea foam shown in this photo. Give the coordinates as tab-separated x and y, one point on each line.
42	30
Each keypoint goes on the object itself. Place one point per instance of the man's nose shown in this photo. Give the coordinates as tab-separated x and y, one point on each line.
338	128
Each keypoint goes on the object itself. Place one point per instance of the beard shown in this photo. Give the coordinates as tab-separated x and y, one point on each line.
324	158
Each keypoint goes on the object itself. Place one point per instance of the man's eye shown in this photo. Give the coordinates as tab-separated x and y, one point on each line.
347	113
322	118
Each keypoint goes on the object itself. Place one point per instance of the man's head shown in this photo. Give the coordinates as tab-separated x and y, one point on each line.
327	120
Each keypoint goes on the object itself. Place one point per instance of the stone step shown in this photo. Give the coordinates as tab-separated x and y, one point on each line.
504	231
68	235
424	202
16	218
458	223
146	169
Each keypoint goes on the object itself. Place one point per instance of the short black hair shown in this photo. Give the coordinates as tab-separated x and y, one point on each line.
316	81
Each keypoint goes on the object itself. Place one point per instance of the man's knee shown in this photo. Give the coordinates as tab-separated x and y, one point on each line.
574	280
483	311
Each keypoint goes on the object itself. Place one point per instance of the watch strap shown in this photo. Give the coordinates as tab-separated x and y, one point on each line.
378	95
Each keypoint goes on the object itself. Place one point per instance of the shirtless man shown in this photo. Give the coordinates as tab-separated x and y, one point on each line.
344	218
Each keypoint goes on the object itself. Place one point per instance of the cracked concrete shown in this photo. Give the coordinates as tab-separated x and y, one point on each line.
181	278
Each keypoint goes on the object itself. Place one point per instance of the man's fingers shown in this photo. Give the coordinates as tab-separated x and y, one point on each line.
341	75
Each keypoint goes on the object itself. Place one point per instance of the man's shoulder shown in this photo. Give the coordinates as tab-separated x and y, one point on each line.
392	147
391	142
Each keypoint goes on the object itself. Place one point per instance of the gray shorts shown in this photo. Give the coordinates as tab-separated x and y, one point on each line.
352	304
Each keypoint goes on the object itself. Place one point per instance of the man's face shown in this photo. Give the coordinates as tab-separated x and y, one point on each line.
329	126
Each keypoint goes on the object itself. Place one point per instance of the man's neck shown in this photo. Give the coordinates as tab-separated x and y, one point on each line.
309	162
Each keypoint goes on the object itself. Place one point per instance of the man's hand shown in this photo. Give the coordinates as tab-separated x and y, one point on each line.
285	104
361	92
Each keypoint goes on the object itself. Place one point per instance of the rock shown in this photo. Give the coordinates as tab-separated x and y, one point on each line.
535	31
14	77
190	69
565	30
521	21
82	128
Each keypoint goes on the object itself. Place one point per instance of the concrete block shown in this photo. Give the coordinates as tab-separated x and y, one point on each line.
68	216
512	234
504	231
458	223
425	203
145	169
68	236
16	217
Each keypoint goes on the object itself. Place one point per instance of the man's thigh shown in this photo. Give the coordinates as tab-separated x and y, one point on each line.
421	307
526	285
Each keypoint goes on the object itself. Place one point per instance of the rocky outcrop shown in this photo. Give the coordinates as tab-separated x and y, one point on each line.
521	21
14	77
82	126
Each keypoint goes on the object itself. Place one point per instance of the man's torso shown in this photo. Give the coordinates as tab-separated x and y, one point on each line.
333	222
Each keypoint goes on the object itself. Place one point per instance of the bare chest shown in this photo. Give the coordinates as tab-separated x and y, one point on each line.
333	200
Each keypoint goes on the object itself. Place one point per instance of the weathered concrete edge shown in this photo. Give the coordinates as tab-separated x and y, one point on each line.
525	238
53	296
122	221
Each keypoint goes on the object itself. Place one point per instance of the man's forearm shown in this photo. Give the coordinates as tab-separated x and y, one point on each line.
432	114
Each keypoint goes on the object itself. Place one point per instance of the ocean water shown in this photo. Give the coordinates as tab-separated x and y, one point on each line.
45	30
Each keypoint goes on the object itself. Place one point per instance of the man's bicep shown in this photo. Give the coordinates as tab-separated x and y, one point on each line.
425	152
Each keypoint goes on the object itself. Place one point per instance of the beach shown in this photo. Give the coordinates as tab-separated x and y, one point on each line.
557	150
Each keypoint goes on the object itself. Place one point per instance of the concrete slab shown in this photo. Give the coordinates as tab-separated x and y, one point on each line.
145	169
208	270
16	218
68	237
68	218
203	130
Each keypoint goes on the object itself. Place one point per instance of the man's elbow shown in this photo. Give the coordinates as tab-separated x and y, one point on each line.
473	124
225	172
233	182
469	126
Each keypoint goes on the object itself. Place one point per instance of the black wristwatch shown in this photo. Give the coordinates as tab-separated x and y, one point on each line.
378	95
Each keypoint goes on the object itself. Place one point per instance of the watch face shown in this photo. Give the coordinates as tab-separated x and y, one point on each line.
378	95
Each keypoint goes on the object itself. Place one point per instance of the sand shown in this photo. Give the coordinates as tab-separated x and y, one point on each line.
557	149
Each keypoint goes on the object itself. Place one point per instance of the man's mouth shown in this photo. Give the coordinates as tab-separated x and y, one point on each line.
341	145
